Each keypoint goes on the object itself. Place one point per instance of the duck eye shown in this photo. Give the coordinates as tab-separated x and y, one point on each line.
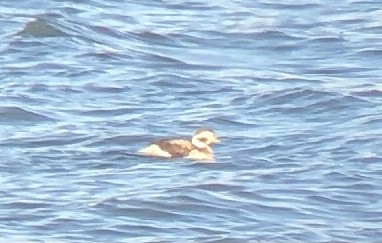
203	140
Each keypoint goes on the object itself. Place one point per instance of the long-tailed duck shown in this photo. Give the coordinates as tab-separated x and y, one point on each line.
198	148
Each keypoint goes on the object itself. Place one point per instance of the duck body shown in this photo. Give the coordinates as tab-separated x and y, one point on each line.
196	148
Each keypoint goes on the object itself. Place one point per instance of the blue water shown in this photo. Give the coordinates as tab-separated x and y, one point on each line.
294	89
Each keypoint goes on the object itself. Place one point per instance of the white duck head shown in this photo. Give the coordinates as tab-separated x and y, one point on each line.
203	138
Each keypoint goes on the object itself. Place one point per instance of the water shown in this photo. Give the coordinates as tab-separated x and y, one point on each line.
293	89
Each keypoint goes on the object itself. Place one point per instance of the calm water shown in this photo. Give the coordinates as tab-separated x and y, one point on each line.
293	89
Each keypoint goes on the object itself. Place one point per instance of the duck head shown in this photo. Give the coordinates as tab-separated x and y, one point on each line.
204	137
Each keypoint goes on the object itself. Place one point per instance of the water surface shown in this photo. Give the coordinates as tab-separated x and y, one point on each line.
293	89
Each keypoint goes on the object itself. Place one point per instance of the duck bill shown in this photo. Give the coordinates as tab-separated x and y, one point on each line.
217	140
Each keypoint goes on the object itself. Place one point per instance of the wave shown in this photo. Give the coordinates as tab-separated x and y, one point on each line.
41	27
17	114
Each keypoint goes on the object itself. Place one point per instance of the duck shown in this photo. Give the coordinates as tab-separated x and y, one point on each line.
196	148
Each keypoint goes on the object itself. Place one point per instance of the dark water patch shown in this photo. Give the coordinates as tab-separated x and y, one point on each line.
32	100
327	40
186	210
352	22
219	187
284	48
269	210
374	30
263	148
294	95
367	160
237	101
253	196
370	52
227	90
357	186
193	39
221	239
364	2
369	93
174	84
337	176
161	58
185	80
108	112
339	107
159	61
124	18
19	46
106	234
335	70
17	114
276	35
50	66
67	89
41	28
132	227
260	35
206	231
48	140
108	56
70	10
229	121
125	209
353	100
127	156
25	205
375	121
193	6
38	88
360	141
123	140
104	88
155	38
332	201
289	6
79	73
108	31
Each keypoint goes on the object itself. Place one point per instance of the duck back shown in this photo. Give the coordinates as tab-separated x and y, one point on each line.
175	147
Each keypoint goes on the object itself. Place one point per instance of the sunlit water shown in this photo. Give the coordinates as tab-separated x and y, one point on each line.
294	90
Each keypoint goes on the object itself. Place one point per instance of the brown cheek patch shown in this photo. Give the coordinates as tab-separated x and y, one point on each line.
203	140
